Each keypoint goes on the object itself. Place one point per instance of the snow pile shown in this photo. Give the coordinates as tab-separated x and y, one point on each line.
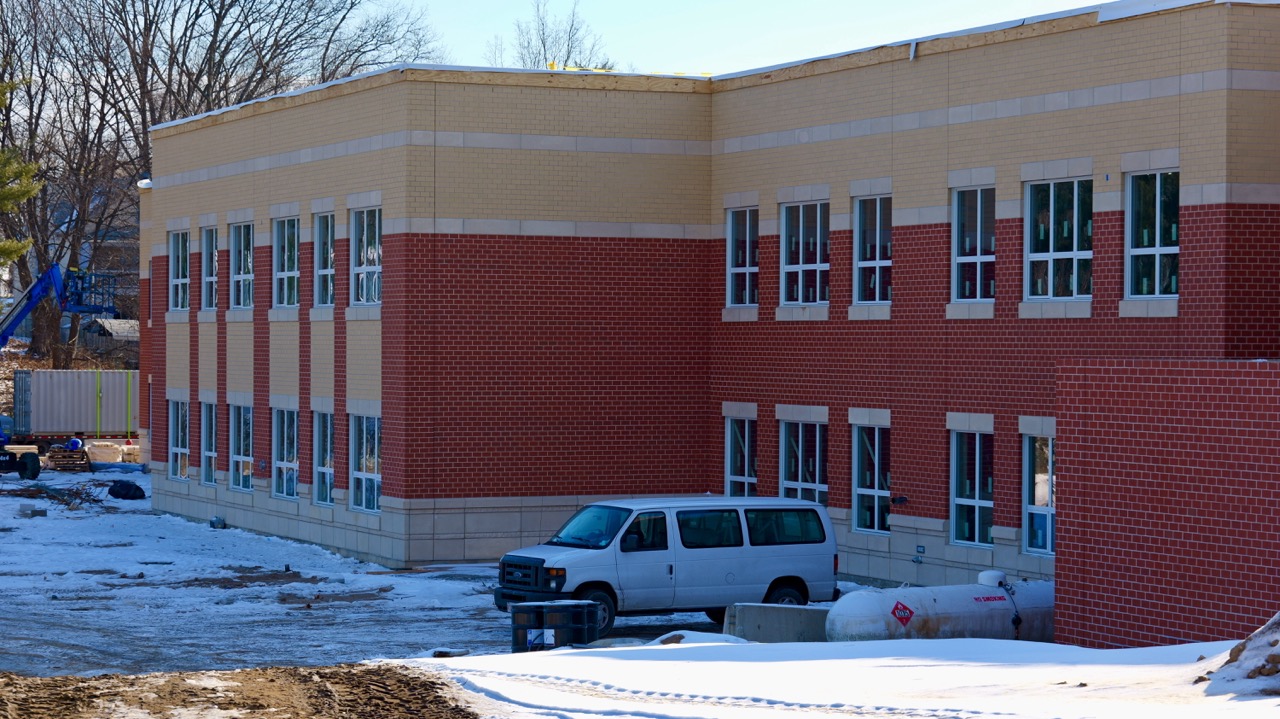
1252	666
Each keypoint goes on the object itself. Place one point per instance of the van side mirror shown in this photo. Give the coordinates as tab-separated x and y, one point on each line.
630	542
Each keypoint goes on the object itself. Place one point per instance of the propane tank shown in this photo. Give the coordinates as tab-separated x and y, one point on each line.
994	608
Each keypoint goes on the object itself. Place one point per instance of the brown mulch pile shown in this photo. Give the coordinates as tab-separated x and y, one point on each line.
345	691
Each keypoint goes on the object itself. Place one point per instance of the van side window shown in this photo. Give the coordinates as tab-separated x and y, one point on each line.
784	526
647	533
706	528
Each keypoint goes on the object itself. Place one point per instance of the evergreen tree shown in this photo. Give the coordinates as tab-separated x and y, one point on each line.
17	184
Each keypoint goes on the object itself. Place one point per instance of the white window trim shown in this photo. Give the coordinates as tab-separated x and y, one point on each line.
284	453
285	245
822	269
878	495
883	215
1130	251
208	443
748	480
365	276
323	457
179	441
208	268
750	269
241	277
817	491
324	234
361	476
976	503
957	261
180	270
1028	507
241	456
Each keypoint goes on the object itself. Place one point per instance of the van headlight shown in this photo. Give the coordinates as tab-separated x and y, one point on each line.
555	578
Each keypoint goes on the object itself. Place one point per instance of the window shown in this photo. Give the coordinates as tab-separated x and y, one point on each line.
874	250
1060	240
972	503
975	245
179	441
241	447
179	271
1153	235
871	478
323	449
771	527
804	461
285	250
740	457
709	528
208	442
1038	517
366	256
242	265
806	261
647	533
284	454
743	232
209	267
366	463
324	259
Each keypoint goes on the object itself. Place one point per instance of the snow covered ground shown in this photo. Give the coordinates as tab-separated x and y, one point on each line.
109	587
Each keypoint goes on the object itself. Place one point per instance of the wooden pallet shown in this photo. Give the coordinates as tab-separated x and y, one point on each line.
69	460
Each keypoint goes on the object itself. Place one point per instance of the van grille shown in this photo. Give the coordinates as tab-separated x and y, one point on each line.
522	574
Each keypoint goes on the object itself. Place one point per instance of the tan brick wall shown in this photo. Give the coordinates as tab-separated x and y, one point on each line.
239	354
284	358
322	359
208	334
177	354
364	359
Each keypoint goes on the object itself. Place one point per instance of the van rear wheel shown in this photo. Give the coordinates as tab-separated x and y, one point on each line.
784	595
716	615
608	610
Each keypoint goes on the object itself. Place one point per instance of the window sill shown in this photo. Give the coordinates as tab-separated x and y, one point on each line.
1163	307
985	310
322	314
869	313
242	314
177	317
283	314
209	315
363	312
1055	309
801	313
740	314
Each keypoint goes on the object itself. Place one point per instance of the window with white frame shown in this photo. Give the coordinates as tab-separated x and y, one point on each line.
323	229
871	478
179	270
740	457
284	453
1059	240
208	268
1152	223
322	448
284	242
803	474
974	225
874	250
972	488
1038	514
208	442
806	261
366	256
241	242
179	441
241	447
366	463
742	230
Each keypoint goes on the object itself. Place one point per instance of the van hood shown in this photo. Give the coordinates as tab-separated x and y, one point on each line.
555	556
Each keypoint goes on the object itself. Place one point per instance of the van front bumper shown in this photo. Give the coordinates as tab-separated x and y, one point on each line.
503	597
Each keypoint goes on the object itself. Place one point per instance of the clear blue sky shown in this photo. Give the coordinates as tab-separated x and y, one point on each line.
726	36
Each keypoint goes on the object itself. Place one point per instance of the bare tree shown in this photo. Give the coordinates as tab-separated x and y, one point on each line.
545	41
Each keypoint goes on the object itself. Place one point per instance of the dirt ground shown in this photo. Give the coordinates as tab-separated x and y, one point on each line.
347	691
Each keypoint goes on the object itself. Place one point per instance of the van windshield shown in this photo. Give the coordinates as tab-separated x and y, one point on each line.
592	527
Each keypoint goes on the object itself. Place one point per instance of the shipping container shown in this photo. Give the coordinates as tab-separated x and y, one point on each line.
51	406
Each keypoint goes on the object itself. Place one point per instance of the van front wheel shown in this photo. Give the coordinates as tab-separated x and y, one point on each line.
784	595
607	608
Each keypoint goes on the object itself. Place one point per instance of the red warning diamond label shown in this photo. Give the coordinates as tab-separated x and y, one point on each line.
902	613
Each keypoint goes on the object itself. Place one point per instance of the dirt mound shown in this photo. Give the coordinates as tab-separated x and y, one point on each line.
345	691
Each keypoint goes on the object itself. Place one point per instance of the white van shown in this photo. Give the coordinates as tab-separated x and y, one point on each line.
655	556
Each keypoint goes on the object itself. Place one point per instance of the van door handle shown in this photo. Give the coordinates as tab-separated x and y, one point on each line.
671	569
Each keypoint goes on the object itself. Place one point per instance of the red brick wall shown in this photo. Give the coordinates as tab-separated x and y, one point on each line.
517	366
1168	500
